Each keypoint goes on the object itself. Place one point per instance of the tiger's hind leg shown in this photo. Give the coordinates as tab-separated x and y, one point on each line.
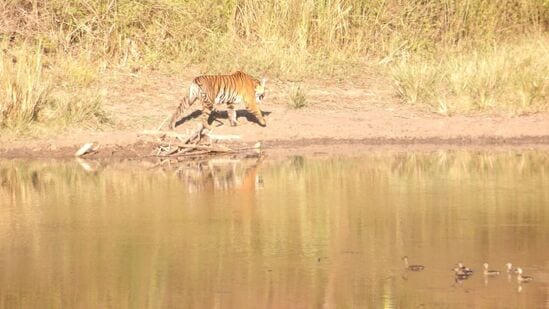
232	114
179	111
206	113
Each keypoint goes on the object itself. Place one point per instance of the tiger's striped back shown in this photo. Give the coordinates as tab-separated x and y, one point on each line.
220	89
232	89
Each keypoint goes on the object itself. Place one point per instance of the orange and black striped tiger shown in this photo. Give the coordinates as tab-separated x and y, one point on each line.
232	89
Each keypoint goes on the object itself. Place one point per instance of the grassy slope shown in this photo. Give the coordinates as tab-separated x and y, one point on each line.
451	56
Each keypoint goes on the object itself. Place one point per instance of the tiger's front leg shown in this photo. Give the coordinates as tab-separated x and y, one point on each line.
253	108
258	115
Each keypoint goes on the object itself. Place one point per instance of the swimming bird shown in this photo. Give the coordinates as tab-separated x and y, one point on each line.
416	267
510	268
462	270
461	277
521	277
490	272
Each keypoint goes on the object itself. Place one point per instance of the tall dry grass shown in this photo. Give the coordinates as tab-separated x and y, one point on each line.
292	38
30	93
24	91
265	33
512	77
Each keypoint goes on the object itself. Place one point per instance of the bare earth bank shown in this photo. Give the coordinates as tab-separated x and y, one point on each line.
359	114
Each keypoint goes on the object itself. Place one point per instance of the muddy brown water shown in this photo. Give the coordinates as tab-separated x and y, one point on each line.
297	232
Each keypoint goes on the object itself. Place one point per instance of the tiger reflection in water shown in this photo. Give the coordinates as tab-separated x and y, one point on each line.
222	175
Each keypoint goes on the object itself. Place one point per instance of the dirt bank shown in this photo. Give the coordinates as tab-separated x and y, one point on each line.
360	113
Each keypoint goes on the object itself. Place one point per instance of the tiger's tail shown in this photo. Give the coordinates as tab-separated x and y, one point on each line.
186	102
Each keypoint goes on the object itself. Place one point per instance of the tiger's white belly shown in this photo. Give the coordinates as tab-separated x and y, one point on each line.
223	98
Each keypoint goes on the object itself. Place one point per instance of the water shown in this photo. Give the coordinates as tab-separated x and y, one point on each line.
299	232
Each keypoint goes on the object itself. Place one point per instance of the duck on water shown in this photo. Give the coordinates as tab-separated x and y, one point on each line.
462	270
510	269
413	267
488	272
521	277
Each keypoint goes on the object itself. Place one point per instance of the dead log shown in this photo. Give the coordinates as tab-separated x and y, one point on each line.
183	137
217	148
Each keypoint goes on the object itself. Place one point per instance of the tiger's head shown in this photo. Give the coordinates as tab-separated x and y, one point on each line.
260	91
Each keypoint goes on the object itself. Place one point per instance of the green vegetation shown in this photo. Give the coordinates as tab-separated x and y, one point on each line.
453	55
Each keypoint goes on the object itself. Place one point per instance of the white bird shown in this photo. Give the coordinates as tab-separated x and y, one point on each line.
510	268
490	272
412	267
521	277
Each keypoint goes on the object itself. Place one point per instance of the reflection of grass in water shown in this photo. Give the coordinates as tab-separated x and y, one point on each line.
138	224
410	198
65	214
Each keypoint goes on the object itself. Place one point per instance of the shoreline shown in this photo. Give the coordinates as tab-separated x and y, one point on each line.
338	119
141	149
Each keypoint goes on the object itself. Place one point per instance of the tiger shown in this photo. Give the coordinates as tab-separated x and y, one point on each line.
231	89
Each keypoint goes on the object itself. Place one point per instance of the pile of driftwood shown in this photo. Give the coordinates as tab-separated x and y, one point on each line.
198	143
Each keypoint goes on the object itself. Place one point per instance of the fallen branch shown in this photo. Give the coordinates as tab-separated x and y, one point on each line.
187	154
196	135
217	148
220	137
162	133
163	122
188	145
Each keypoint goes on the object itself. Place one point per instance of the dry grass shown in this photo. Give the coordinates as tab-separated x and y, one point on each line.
271	35
32	94
24	91
84	109
298	98
512	76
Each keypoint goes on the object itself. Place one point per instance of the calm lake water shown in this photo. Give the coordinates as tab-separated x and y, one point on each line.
300	232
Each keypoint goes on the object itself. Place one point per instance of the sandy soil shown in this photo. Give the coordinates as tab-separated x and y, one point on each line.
361	112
